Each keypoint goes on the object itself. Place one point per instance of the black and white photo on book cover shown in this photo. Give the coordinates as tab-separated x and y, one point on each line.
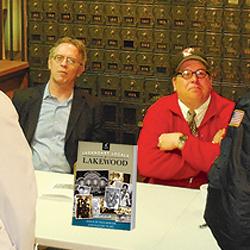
105	186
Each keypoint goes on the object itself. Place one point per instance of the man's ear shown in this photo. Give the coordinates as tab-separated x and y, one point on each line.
81	69
174	83
49	67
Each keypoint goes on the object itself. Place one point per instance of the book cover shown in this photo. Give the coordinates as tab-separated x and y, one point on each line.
105	185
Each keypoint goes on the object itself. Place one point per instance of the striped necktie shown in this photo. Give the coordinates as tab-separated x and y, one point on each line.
191	122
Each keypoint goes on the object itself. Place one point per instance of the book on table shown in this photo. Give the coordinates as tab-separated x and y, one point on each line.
105	185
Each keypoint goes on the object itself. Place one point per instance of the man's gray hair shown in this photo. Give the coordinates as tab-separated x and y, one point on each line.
76	42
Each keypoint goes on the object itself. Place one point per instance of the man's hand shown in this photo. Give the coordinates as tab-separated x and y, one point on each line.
169	141
219	136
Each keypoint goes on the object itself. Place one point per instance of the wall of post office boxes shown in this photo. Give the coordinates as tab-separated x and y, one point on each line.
130	45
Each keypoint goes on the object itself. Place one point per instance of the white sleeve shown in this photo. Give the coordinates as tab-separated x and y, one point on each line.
17	179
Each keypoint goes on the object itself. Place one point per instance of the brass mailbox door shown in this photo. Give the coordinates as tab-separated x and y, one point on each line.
112	37
36	34
128	62
65	30
96	13
96	36
179	41
215	68
179	17
230	70
51	32
197	19
109	88
35	10
161	65
88	82
50	11
129	39
38	76
214	19
112	14
245	46
81	32
132	89
145	15
162	16
144	63
155	88
95	60
128	15
145	40
162	41
196	39
213	44
231	20
231	45
245	20
81	12
112	61
65	8
36	55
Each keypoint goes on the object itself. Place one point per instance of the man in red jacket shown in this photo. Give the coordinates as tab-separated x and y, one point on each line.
174	149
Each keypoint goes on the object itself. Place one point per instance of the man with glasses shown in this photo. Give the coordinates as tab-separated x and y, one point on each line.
57	115
181	133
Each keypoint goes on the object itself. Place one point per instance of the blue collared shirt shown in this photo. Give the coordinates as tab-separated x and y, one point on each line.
49	138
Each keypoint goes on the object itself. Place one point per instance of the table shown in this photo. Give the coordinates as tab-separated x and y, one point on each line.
166	218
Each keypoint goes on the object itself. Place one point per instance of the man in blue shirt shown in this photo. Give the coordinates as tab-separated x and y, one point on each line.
56	116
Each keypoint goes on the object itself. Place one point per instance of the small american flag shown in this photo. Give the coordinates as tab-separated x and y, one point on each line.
237	118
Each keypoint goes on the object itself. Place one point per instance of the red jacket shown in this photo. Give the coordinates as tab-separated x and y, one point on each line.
189	167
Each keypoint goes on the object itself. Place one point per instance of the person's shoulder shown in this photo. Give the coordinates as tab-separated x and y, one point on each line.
3	97
4	100
6	106
222	105
28	92
222	101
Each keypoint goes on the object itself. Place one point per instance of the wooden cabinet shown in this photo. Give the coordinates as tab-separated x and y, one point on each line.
13	75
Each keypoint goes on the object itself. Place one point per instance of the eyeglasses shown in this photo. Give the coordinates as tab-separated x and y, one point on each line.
69	60
199	73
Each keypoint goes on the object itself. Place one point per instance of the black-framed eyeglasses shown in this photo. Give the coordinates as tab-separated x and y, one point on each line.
69	60
187	73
